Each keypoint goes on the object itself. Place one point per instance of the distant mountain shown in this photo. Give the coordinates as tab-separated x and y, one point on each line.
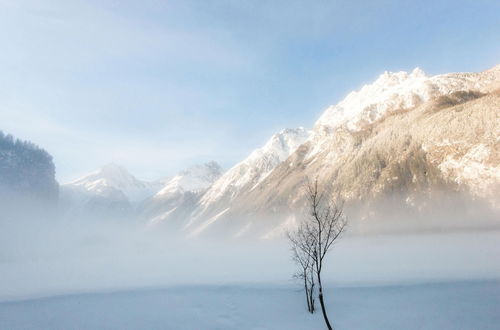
113	177
244	177
176	199
196	178
27	172
110	191
408	151
408	146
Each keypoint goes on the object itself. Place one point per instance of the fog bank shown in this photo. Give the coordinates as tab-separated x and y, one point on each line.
61	257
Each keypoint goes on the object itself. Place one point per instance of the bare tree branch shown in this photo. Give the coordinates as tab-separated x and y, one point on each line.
314	237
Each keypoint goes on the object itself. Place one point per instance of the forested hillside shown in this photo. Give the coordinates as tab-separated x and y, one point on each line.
26	171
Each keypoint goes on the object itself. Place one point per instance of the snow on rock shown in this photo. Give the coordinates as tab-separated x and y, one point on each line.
112	177
257	165
472	169
195	179
243	177
389	91
207	223
394	91
179	194
332	138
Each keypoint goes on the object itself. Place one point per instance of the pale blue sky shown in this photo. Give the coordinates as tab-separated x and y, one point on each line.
160	85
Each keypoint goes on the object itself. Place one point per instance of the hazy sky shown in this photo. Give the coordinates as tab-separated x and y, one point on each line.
160	85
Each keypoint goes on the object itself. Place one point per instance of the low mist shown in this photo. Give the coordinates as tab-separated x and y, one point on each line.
44	254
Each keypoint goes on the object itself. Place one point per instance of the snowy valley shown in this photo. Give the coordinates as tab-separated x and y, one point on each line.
415	158
249	165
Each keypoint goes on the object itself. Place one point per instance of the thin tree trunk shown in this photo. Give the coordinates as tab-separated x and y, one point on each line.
306	289
311	292
322	303
311	299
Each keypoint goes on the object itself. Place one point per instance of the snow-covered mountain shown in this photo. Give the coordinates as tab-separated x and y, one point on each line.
393	92
408	137
252	170
196	178
179	195
402	146
244	176
110	191
112	177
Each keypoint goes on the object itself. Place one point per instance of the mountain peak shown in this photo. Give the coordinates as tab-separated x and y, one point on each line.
195	178
281	144
248	173
210	167
116	177
418	73
111	174
389	78
393	91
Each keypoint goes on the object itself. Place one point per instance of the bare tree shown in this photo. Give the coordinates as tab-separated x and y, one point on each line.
305	273
317	233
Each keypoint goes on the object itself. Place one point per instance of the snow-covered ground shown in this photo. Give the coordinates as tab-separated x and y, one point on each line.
460	305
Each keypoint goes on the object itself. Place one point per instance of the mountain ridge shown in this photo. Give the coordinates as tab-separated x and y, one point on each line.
342	134
403	140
